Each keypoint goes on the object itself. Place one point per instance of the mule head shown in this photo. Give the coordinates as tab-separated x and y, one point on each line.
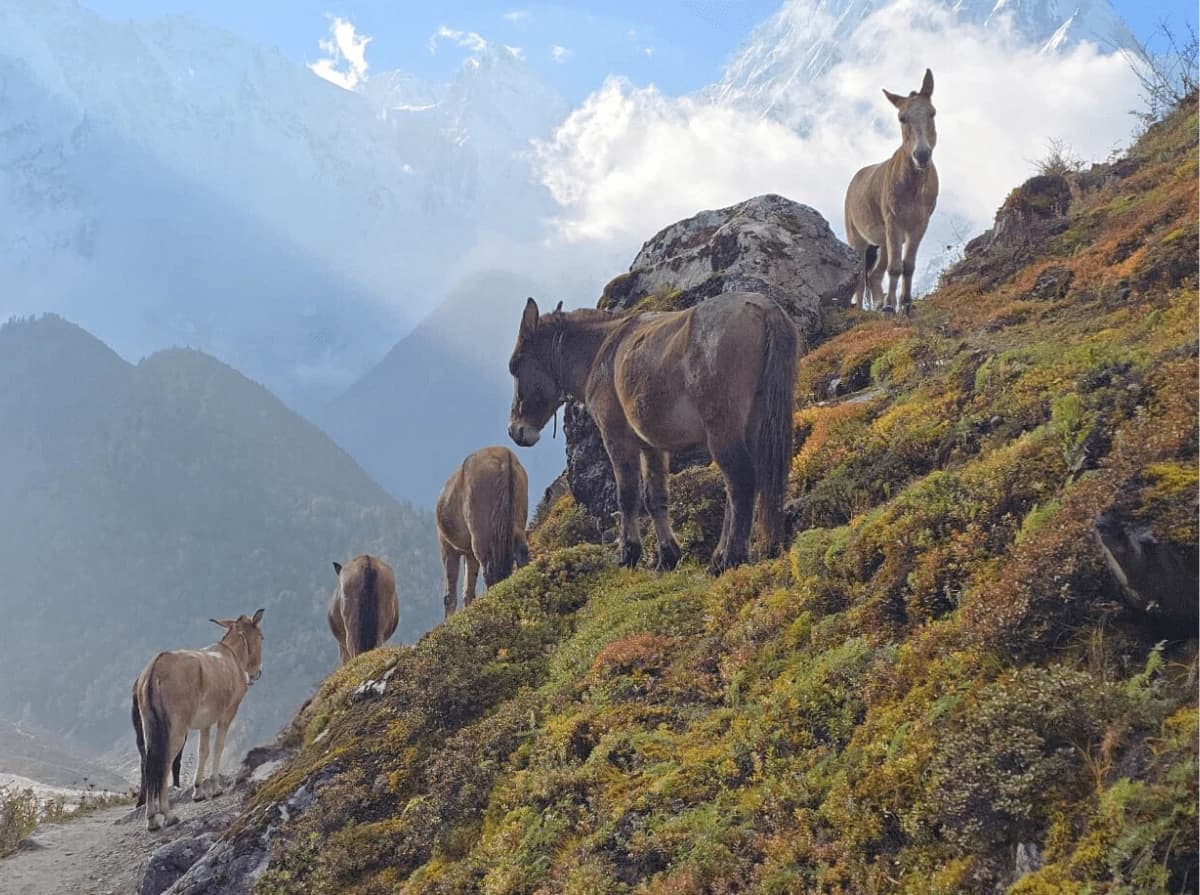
537	392
916	121
244	636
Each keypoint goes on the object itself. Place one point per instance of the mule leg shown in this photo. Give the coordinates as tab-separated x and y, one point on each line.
199	791
895	262
655	467
875	279
625	463
164	817
215	788
726	524
472	578
737	468
451	563
909	265
860	245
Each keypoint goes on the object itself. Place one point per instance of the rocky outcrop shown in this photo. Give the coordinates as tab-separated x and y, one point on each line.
1157	576
767	244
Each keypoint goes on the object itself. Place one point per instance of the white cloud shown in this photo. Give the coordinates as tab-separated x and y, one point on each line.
631	160
559	53
517	52
345	63
468	39
517	15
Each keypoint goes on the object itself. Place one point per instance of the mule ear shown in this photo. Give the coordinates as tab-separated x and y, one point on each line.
225	623
257	617
558	310
927	84
894	98
529	320
337	568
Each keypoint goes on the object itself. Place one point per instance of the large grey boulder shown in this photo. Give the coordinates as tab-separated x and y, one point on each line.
767	244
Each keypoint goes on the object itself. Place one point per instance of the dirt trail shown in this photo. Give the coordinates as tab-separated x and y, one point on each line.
96	855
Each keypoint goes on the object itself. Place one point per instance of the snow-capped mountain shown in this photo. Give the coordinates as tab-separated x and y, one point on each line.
164	182
776	69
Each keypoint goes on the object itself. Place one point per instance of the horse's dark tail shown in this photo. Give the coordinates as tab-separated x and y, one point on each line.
156	740
141	747
498	555
864	274
365	634
771	435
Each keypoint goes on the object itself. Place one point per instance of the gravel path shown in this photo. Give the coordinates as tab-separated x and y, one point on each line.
102	853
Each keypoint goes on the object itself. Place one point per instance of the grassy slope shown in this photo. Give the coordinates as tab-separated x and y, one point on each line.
937	673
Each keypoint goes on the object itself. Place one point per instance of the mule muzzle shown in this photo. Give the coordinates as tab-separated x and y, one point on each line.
251	678
525	436
922	157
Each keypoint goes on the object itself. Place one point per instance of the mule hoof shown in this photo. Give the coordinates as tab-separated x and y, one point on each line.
631	555
154	822
171	820
198	793
887	309
668	558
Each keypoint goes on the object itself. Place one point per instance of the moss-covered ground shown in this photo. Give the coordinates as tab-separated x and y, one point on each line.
938	689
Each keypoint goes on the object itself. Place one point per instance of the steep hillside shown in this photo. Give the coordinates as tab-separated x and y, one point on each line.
940	688
136	502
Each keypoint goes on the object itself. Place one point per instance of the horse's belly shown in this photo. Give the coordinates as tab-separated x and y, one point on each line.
205	716
673	425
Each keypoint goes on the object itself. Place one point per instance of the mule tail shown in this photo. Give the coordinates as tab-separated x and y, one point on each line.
771	437
364	634
155	739
498	555
141	747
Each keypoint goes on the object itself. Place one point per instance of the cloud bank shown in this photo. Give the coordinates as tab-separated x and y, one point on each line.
345	63
632	160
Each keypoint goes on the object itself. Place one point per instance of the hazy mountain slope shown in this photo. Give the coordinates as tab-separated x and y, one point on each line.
938	689
166	182
136	502
775	72
442	392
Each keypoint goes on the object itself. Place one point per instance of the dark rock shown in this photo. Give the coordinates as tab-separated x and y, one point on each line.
171	861
1157	577
233	864
1052	284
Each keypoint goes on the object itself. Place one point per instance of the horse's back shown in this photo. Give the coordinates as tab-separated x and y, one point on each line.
493	476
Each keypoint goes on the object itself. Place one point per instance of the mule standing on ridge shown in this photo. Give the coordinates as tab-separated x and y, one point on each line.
364	611
192	690
888	205
720	374
481	516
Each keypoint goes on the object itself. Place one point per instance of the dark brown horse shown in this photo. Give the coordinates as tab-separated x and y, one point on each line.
721	374
363	612
888	205
481	515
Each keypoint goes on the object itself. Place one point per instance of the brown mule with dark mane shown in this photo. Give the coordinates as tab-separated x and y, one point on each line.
481	515
192	690
720	374
364	611
888	205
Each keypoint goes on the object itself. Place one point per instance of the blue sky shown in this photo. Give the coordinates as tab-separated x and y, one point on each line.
679	46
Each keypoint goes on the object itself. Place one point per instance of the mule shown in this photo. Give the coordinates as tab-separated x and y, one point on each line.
364	611
888	205
481	516
720	374
186	690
